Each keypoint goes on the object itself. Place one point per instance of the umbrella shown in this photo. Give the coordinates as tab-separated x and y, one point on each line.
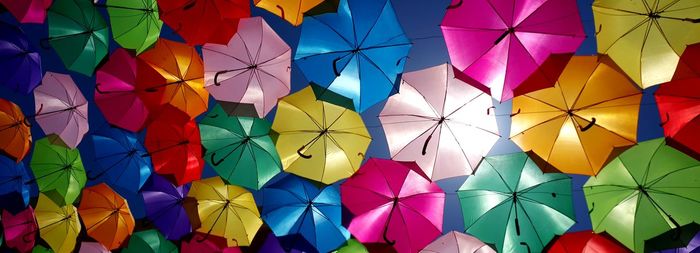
586	242
14	193
389	199
272	245
305	217
212	244
92	247
253	68
173	144
291	11
149	241
690	244
352	246
41	249
204	21
358	52
19	229
172	73
508	41
58	171
226	211
319	140
239	148
649	189
106	216
78	33
447	135
29	11
510	203
645	38
15	133
164	207
58	226
120	159
458	243
116	95
135	23
583	121
20	64
61	109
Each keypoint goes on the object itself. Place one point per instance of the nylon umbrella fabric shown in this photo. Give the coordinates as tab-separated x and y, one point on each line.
61	108
19	229
135	23
586	242
165	207
58	171
651	186
358	52
92	247
253	68
646	38
106	216
120	159
213	244
149	241
204	21
273	245
692	246
15	132
508	41
457	242
582	122
290	11
352	246
58	225
14	193
28	12
511	204
442	123
21	64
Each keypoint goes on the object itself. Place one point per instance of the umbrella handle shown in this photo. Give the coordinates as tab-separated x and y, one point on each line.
488	110
302	154
399	60
335	66
216	77
452	6
361	154
281	11
215	163
525	244
583	129
97	88
425	144
592	208
24	237
668	118
189	5
516	113
600	29
44	43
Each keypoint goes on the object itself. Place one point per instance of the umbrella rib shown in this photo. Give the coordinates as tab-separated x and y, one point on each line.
625	34
507	200
648	166
501	176
247	50
649	184
543	204
238	160
532	224
631	195
461	149
526	190
498	14
370	61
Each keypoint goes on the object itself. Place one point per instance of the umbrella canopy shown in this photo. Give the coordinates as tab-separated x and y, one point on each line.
149	241
106	216
212	244
14	193
352	246
78	34
58	171
645	38
239	148
172	73
316	134
456	242
389	199
358	52
447	135
508	41
58	226
649	189
692	246
116	95
586	242
582	122
204	21
164	207
30	11
19	229
15	133
135	23
273	245
291	11
510	203
120	158
92	247
225	210
305	217
20	64
61	109
41	249
253	68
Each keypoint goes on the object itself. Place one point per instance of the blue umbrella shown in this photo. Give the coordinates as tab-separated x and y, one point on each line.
121	159
358	52
14	193
305	217
20	64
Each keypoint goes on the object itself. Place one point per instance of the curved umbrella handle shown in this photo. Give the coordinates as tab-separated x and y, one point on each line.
97	88
281	11
516	113
668	118
592	208
488	110
216	77
189	5
583	129
202	238
386	239
425	144
215	163
600	29
452	6
361	154
525	244
26	122
399	60
302	154
335	66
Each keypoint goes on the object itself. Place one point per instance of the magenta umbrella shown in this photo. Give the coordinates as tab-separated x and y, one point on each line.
500	43
254	68
20	229
457	242
439	121
28	11
61	109
92	247
392	200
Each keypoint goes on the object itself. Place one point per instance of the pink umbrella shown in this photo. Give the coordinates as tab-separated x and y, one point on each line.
501	43
61	108
92	247
28	11
200	243
456	242
392	200
116	95
20	229
254	68
439	121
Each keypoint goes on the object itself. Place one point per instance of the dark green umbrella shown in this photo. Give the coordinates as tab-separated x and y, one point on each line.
58	171
135	23
149	241
239	148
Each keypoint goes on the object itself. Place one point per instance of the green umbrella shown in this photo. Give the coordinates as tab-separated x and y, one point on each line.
149	241
352	246
41	249
239	148
510	203
78	34
58	170
646	191
135	23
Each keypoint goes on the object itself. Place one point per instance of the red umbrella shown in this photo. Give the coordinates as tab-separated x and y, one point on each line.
586	242
173	143
204	21
20	229
211	244
28	11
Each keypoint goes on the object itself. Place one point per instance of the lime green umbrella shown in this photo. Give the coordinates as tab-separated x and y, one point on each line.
149	241
78	34
135	23
239	148
648	190
510	203
352	246
58	170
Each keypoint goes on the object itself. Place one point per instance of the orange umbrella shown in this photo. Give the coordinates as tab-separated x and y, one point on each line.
172	73
106	216
292	10
15	137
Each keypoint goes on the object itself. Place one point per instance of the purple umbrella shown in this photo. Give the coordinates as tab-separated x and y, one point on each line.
61	109
20	65
692	247
272	245
164	207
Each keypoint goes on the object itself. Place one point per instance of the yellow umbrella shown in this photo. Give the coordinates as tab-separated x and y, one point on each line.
583	121
58	226
290	10
646	37
226	211
319	140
